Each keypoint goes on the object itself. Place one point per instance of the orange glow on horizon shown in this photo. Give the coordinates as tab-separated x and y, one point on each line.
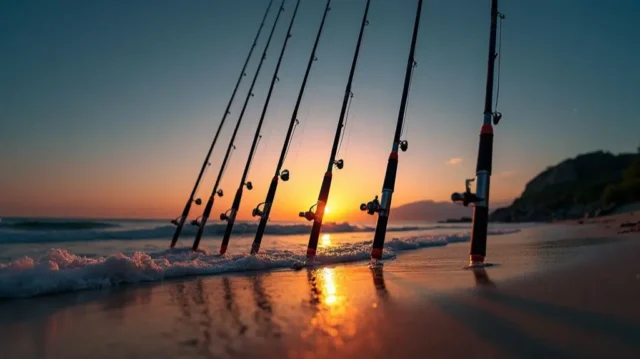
160	190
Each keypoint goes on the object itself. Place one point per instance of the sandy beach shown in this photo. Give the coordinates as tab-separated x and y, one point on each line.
574	296
625	222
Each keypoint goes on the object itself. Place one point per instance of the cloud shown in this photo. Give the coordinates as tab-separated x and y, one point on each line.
454	161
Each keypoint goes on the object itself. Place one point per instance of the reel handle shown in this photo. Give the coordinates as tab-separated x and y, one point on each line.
467	196
371	207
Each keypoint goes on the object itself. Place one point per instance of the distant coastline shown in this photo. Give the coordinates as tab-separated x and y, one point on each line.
457	220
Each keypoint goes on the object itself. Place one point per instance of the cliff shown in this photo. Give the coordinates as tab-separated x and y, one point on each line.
429	211
570	189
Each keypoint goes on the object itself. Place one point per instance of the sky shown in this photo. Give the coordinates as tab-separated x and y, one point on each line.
107	108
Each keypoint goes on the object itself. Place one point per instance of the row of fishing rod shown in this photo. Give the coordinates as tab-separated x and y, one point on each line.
315	213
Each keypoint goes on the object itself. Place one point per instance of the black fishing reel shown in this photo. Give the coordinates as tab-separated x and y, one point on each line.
496	116
310	215
339	164
404	145
249	185
284	175
220	193
257	212
371	207
224	216
196	222
466	197
197	201
176	221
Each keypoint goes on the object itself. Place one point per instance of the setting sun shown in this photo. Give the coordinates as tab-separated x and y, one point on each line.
326	210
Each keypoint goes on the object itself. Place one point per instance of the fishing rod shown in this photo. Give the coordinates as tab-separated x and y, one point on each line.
383	207
317	215
201	221
179	221
480	198
264	212
230	214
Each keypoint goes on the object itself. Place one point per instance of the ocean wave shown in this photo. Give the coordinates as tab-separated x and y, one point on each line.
38	225
62	271
60	232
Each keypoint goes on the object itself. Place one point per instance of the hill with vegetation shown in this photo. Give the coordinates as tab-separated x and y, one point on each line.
589	185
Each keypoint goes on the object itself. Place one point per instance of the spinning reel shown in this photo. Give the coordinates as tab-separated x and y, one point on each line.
225	216
177	220
284	175
257	212
466	197
310	215
371	207
404	145
339	164
220	193
196	222
496	116
249	185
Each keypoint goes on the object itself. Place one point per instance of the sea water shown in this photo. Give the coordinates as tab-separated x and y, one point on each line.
44	256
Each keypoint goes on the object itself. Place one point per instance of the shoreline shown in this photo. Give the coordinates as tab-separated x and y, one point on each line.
574	295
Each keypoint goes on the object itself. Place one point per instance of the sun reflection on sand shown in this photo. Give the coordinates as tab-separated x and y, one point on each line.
329	287
333	316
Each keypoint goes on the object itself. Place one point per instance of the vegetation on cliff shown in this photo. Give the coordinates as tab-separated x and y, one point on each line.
627	190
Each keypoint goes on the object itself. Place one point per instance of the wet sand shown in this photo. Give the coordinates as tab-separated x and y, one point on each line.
569	297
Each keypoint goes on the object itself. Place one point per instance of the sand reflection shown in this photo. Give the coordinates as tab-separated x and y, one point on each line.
482	278
378	282
263	316
334	317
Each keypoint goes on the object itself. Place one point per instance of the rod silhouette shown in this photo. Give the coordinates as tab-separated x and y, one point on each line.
317	215
215	191
179	221
265	211
480	198
230	214
383	207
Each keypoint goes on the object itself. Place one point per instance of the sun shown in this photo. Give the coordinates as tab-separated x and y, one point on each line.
326	210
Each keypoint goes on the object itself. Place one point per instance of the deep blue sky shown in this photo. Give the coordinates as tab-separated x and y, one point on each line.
107	107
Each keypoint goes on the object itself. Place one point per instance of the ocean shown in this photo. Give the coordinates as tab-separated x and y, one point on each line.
44	256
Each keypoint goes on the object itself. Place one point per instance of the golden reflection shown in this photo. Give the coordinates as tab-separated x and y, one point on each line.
333	315
329	286
325	240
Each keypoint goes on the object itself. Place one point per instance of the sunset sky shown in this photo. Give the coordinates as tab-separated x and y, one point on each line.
108	107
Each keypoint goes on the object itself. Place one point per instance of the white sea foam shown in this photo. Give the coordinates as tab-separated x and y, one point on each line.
60	271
